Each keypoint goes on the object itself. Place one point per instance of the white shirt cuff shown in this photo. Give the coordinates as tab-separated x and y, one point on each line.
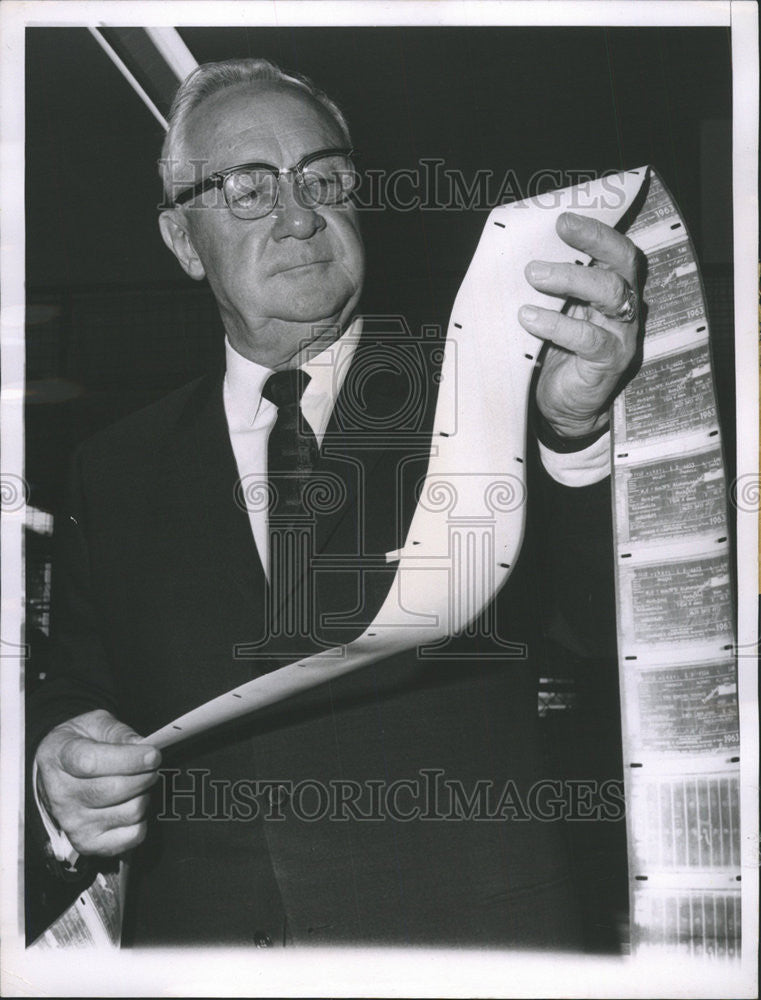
579	468
59	842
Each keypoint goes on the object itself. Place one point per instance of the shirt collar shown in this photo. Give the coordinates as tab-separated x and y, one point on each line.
244	379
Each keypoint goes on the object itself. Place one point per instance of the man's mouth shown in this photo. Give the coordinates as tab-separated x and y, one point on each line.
302	265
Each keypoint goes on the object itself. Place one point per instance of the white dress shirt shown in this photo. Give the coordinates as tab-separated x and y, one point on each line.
250	416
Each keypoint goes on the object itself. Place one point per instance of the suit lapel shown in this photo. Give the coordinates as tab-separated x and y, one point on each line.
359	451
205	463
376	447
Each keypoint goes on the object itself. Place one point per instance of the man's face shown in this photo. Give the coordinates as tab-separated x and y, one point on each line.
277	278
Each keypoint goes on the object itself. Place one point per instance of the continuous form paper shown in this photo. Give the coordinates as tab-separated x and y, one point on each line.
675	609
672	495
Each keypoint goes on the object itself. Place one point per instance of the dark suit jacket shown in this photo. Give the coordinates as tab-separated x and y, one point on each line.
157	584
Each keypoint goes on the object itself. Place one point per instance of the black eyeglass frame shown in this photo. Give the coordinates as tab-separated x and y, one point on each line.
218	178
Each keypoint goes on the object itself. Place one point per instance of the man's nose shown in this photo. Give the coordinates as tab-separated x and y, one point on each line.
292	217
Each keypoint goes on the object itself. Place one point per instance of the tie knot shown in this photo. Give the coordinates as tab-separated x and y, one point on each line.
285	388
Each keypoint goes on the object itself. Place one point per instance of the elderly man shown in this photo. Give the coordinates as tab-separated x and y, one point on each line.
163	582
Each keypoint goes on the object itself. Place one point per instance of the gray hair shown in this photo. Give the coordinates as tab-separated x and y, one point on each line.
208	79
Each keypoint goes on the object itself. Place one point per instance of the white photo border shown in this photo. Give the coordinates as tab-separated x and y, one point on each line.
363	972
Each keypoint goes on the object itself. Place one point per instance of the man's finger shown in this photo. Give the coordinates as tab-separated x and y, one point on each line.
587	340
83	758
102	793
605	245
110	843
124	815
118	732
606	290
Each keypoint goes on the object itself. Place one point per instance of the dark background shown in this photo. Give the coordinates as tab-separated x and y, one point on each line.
113	322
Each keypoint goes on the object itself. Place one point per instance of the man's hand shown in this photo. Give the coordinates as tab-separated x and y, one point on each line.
590	348
94	779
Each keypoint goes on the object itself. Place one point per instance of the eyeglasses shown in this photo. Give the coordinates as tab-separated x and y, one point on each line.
251	190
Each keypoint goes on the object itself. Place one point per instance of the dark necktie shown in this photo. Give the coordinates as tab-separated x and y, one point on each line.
291	456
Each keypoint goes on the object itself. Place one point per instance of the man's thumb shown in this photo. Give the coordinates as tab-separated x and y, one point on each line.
120	732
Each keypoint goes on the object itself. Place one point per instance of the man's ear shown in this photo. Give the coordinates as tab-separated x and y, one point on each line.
175	234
